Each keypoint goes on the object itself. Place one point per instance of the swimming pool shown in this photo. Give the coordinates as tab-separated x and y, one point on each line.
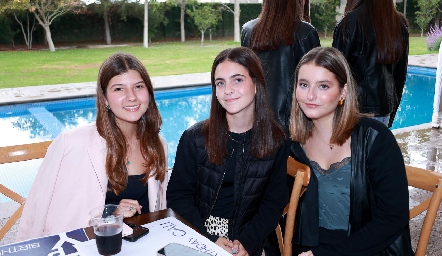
40	121
417	100
33	122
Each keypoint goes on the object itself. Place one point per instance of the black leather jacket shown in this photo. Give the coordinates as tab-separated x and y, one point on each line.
259	198
279	67
379	86
378	221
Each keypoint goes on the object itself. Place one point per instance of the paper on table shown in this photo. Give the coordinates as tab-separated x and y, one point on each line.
162	232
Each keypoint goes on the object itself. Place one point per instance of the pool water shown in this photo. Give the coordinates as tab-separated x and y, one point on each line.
33	122
417	99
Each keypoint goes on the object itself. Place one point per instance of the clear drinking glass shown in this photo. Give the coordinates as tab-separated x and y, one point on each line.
107	222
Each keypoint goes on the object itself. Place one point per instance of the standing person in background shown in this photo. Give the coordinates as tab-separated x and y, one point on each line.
373	36
357	199
230	169
437	102
280	38
120	159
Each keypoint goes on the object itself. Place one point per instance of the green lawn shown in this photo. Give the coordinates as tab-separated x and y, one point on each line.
418	46
28	68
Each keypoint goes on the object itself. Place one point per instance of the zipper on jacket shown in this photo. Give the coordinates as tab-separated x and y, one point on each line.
240	188
219	188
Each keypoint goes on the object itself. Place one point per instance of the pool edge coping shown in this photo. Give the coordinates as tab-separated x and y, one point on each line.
29	94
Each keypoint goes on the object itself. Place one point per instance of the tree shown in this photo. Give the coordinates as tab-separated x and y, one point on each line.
6	33
4	5
405	8
236	14
183	8
46	11
325	14
155	16
27	32
22	7
427	11
205	17
182	4
146	24
105	6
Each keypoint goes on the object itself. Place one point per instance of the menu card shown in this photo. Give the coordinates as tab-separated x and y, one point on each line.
61	244
161	233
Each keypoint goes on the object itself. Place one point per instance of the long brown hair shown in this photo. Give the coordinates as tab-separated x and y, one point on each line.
148	127
267	135
276	24
346	116
389	26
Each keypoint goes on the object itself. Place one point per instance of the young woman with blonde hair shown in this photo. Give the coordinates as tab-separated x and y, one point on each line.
357	199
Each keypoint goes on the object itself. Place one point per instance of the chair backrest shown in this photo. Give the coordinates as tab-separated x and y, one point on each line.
17	153
301	173
12	154
432	182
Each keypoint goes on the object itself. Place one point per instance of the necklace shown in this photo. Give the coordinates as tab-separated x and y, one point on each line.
239	142
129	156
230	137
330	145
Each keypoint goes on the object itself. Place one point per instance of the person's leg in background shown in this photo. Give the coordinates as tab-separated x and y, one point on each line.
437	104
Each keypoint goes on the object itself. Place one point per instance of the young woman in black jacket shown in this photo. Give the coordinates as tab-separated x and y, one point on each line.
280	38
373	36
228	170
357	199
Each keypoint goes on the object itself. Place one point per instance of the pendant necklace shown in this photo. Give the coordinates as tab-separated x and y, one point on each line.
330	145
230	137
129	149
241	143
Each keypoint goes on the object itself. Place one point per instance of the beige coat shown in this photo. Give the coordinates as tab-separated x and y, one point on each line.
70	182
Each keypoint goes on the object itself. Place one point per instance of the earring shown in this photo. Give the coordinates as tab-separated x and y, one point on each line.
341	102
108	107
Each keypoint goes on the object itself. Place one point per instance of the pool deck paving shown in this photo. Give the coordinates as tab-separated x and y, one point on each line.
421	145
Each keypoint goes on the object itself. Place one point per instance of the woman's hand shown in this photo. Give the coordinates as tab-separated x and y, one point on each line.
309	253
225	243
130	207
239	249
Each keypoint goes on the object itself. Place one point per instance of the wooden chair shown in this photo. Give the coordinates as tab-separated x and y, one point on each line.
301	173
12	154
432	182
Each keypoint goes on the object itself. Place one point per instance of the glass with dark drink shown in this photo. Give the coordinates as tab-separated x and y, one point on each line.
107	222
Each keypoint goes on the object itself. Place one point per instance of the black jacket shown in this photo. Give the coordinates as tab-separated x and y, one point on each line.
279	67
379	86
379	212
259	198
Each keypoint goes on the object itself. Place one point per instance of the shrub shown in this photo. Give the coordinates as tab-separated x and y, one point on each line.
434	37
